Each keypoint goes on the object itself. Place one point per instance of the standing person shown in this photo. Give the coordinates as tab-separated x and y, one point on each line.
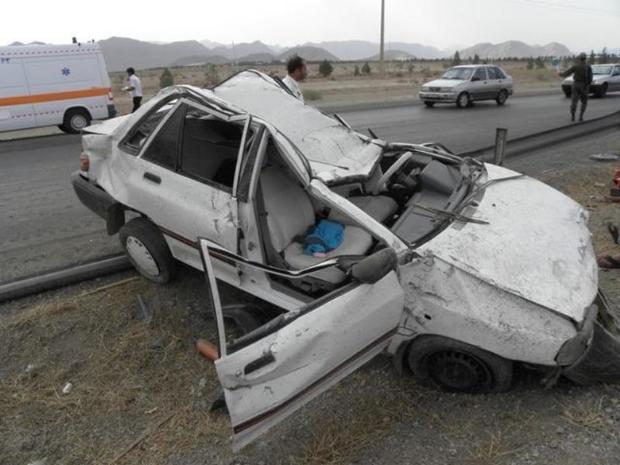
297	72
135	87
582	78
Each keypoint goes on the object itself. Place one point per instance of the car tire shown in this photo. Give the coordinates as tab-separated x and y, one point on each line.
602	92
429	104
148	251
502	97
567	92
75	120
454	366
463	100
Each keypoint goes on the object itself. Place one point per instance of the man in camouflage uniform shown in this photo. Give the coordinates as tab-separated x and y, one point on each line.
582	78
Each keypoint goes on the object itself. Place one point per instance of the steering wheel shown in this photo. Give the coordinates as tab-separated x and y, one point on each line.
381	184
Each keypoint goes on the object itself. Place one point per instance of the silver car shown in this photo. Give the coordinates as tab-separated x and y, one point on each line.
605	78
468	83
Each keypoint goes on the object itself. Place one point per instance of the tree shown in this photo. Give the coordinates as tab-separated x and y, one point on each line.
476	59
366	68
457	59
166	79
325	68
540	64
356	71
604	56
410	68
592	57
530	63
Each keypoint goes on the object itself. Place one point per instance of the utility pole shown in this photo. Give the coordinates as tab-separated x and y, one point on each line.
381	63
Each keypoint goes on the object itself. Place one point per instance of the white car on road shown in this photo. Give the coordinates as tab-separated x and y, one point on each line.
605	78
457	268
466	84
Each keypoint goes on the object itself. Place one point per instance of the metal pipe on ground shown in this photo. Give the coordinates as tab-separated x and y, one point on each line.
63	277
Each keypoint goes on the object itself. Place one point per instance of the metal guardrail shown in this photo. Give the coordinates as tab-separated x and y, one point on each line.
523	144
117	263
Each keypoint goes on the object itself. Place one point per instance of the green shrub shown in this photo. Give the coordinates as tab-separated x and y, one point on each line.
166	79
325	68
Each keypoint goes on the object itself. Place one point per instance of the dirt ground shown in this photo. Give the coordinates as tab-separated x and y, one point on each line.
403	80
141	395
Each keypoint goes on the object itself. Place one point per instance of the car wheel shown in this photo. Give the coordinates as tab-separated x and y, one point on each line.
454	366
75	120
147	250
501	97
601	93
463	100
567	92
429	104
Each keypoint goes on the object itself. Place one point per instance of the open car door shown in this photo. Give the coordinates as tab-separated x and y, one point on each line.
272	371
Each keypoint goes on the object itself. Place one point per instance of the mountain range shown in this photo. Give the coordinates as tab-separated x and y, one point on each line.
121	52
515	48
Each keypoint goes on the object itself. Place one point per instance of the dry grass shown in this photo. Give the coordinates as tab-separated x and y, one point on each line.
123	384
588	415
589	185
493	451
337	439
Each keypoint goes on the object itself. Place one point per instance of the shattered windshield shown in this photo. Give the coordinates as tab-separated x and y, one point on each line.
461	74
598	70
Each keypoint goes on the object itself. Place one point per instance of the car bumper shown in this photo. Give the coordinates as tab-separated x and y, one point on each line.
99	201
600	362
442	97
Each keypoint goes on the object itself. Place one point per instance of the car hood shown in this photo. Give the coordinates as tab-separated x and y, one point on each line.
333	151
537	244
444	83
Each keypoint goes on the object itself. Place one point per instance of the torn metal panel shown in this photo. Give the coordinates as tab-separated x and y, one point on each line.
333	150
269	379
537	245
448	301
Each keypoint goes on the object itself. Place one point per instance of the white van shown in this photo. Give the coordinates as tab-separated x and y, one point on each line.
45	85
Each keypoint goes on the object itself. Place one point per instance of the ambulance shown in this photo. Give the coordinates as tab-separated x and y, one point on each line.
53	85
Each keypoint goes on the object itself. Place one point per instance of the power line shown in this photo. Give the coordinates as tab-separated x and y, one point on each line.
567	7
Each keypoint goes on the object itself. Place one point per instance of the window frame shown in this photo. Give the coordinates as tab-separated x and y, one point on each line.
484	70
183	100
156	132
132	150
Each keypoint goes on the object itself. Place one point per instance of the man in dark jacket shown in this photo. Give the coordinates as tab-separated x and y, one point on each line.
582	78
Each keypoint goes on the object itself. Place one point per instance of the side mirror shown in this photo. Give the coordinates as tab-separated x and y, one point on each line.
374	267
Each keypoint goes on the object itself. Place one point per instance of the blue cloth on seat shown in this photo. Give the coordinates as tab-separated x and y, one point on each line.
325	236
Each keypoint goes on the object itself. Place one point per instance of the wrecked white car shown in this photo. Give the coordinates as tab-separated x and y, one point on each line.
456	268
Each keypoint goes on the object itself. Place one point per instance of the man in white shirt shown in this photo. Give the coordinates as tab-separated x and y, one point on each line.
297	72
135	87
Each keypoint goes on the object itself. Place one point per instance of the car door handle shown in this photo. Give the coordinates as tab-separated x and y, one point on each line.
153	178
259	363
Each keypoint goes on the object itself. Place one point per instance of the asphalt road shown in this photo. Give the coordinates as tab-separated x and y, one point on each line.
43	226
471	128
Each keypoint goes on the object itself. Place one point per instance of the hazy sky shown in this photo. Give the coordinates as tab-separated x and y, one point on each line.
580	24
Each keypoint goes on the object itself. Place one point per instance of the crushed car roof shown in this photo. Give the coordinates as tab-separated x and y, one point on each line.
333	151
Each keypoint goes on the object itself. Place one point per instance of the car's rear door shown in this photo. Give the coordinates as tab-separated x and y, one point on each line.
271	372
185	178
